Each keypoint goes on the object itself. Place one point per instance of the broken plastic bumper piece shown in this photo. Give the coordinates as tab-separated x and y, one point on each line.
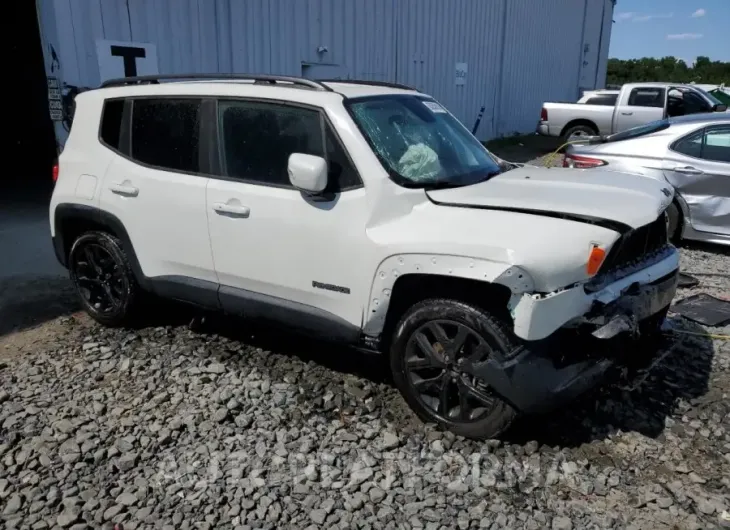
533	380
547	372
626	301
557	367
637	303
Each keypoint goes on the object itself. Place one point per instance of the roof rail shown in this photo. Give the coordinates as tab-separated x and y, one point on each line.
262	78
371	83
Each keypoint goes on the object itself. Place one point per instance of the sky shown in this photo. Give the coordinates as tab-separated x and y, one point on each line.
682	28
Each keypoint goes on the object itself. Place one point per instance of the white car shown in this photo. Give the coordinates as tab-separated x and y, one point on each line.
365	213
690	153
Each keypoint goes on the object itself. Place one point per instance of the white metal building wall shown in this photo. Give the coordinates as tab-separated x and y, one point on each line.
519	53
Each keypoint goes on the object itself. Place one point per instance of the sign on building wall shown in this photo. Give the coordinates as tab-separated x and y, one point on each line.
55	106
125	59
460	73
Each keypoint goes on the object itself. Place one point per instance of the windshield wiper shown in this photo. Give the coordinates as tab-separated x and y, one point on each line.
507	166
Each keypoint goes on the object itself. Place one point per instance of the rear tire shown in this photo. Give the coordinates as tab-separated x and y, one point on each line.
576	132
103	278
427	344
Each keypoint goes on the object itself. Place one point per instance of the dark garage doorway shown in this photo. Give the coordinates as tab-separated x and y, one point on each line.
32	144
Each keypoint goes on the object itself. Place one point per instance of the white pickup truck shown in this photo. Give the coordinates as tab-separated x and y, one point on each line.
605	112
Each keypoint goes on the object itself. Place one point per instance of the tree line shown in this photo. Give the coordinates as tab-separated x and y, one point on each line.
669	69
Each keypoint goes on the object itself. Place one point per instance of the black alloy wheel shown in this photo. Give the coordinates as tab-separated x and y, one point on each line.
437	350
439	355
103	279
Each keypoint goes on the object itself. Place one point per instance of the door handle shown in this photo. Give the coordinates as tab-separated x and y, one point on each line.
126	191
627	113
688	170
231	209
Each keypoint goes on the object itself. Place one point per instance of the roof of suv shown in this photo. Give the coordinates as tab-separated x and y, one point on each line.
293	88
356	90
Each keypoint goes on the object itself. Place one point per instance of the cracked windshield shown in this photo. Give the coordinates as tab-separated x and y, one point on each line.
421	144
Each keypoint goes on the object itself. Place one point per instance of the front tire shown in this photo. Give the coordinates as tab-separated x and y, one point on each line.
432	343
674	222
103	278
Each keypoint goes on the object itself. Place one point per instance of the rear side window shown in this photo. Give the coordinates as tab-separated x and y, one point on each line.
711	144
716	144
690	145
111	123
606	99
647	97
166	133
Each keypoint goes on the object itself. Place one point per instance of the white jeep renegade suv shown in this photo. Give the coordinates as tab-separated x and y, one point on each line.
366	213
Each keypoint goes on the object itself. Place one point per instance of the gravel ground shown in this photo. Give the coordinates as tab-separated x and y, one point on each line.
226	426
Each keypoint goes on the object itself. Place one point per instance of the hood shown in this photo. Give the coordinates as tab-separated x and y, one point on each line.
619	201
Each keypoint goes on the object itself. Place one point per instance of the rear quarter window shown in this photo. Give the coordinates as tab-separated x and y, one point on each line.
111	123
712	144
716	145
690	145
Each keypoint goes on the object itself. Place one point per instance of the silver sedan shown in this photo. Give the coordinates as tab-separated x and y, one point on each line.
692	153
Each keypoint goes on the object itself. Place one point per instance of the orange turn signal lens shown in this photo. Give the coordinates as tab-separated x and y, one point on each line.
595	260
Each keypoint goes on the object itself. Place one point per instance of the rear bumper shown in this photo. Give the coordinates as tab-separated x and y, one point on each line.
543	128
58	249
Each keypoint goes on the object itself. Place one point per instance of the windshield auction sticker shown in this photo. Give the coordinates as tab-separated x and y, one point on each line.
434	107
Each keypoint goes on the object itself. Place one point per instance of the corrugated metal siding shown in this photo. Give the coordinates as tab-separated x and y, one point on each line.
541	59
434	35
185	32
358	36
605	41
591	50
519	52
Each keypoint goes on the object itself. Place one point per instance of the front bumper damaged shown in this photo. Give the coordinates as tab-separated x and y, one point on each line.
534	380
552	370
635	295
545	374
637	303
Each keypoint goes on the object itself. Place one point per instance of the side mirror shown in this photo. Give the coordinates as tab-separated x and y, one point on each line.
307	172
719	108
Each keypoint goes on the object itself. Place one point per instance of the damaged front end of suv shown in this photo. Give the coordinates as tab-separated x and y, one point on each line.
585	331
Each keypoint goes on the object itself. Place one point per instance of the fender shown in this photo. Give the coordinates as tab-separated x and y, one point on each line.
391	268
65	212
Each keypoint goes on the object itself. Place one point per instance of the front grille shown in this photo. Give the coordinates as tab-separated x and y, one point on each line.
636	244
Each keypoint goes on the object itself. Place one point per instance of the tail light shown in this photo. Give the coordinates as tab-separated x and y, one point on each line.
543	114
582	162
55	172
